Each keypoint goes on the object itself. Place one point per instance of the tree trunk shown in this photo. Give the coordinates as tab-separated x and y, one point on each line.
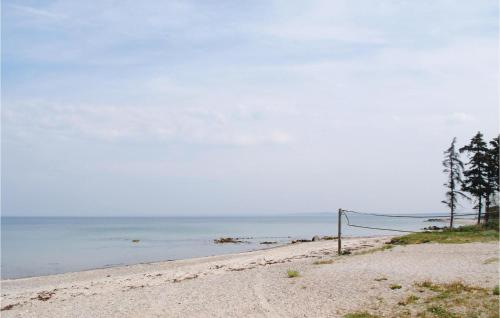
452	190
451	218
487	210
480	206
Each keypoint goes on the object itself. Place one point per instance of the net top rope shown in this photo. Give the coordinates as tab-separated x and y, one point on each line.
344	213
408	216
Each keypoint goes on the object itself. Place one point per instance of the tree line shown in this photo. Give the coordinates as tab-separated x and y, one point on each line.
476	179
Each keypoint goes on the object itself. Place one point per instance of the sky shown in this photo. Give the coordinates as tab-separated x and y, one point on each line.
183	108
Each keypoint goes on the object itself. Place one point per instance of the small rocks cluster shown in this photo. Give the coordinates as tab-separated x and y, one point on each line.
223	240
233	240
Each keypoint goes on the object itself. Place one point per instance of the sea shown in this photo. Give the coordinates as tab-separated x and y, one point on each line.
35	246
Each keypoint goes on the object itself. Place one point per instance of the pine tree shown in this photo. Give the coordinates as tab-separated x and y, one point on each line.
494	156
492	176
453	168
475	181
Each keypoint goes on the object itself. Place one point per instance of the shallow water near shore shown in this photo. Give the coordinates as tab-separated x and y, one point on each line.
34	246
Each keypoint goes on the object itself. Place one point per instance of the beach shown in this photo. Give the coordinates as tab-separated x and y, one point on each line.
256	284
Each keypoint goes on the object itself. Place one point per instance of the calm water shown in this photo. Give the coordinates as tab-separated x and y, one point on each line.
42	246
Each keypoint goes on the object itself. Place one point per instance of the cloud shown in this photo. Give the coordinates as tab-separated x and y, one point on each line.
307	32
141	123
460	118
255	99
275	137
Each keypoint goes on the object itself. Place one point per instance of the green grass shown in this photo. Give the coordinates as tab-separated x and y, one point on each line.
463	234
496	290
292	273
395	286
363	314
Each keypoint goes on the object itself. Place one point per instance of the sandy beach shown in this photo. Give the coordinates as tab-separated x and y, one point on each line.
255	284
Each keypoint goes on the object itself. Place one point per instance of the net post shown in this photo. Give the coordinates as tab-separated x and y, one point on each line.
339	233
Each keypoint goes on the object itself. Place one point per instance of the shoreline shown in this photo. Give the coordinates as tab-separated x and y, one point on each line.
239	259
267	247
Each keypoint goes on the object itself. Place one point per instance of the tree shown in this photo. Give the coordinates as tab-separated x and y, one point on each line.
492	176
453	168
494	156
475	181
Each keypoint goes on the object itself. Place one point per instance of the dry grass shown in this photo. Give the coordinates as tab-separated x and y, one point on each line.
450	300
490	260
363	314
374	250
409	300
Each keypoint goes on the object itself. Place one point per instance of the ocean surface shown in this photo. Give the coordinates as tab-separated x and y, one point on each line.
34	246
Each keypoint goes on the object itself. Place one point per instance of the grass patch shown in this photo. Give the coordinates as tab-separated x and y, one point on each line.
292	273
450	291
496	290
380	279
463	234
490	260
324	262
429	285
440	312
450	300
373	250
409	300
395	286
363	314
453	288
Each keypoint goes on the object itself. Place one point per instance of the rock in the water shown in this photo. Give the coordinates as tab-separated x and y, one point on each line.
316	238
227	240
435	220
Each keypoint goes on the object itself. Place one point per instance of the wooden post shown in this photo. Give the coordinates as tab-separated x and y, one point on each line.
340	233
